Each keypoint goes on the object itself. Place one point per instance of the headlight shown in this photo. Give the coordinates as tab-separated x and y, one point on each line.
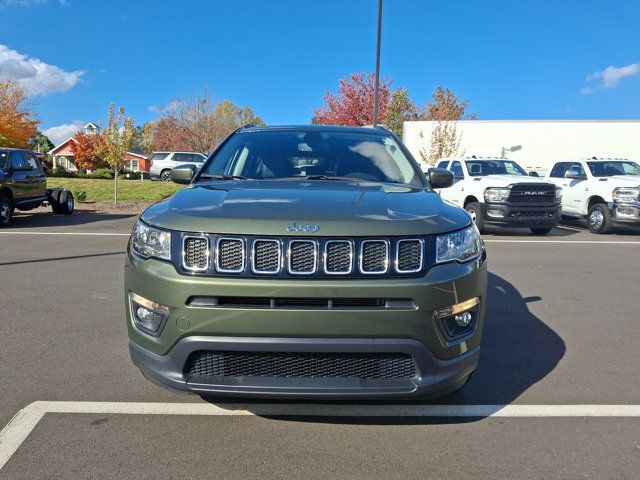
148	242
558	193
626	194
459	246
496	194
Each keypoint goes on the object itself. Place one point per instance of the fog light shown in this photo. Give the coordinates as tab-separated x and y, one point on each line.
495	213
148	316
458	320
463	319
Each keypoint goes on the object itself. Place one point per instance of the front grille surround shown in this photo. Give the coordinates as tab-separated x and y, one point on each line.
329	261
365	260
294	259
327	257
197	265
256	256
400	260
219	253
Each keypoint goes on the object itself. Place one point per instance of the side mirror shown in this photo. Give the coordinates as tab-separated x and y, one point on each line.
439	177
575	174
183	174
533	174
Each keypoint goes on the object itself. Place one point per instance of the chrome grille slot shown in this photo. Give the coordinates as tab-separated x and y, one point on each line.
266	256
195	253
374	256
230	255
303	257
338	257
409	255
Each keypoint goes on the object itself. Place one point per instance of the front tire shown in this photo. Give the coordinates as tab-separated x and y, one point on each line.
599	219
540	230
475	211
6	211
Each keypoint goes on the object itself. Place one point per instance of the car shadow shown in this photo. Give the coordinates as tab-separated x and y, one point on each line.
46	219
557	231
518	350
618	229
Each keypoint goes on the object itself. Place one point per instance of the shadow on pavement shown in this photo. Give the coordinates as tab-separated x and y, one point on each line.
518	350
40	220
557	231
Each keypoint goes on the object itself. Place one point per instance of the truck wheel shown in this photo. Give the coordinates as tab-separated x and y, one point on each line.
599	219
66	203
54	200
540	230
475	211
6	211
165	175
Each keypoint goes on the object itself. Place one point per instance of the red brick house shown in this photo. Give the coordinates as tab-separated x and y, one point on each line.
62	155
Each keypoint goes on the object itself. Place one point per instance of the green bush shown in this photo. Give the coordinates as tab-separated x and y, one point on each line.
105	173
80	195
61	172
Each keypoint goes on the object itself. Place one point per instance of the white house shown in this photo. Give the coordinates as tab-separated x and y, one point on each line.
536	144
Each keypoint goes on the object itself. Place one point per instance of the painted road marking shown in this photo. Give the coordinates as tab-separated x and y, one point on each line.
19	428
95	234
487	240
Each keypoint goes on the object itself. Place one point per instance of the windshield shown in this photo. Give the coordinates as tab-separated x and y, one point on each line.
481	168
4	158
270	155
609	169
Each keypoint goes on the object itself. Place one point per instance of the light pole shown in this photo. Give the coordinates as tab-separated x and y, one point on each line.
377	80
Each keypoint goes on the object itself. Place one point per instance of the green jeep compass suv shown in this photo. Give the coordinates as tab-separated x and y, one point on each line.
308	261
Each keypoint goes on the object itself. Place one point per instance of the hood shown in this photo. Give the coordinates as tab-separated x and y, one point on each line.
254	207
505	180
621	180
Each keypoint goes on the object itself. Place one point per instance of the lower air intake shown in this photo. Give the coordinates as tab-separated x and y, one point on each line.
300	365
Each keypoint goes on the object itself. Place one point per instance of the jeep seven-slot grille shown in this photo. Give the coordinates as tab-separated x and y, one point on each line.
294	257
532	193
371	366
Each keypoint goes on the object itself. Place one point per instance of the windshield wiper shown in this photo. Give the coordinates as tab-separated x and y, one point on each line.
220	176
329	177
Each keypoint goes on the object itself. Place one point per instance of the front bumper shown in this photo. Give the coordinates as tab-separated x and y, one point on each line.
441	364
520	216
626	213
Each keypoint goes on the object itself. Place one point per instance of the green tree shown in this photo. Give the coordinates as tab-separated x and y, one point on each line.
399	109
116	139
41	143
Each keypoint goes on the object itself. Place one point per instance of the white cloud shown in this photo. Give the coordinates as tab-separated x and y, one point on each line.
60	133
35	76
611	76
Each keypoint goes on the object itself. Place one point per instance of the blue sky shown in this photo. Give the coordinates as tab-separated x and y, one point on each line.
513	59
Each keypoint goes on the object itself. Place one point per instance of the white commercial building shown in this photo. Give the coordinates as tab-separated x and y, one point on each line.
535	144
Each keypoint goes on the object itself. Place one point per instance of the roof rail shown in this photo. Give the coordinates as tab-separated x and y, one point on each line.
248	125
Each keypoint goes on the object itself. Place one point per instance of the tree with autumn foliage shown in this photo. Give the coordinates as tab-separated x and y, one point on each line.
353	103
197	124
18	124
116	139
86	151
445	108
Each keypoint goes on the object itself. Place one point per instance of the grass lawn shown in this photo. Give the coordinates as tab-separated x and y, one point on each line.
98	190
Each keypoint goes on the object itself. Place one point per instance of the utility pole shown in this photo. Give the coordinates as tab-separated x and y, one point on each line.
377	80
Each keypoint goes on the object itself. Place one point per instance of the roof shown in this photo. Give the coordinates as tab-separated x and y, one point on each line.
315	128
137	153
54	149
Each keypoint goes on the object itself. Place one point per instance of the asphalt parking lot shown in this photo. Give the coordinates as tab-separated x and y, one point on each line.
561	350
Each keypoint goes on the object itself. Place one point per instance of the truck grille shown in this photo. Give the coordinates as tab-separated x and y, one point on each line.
325	257
300	365
532	193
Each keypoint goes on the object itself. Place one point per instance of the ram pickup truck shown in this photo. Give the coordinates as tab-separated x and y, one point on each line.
311	261
498	191
605	191
23	186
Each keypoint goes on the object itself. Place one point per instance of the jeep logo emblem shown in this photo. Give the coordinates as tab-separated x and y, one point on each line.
298	227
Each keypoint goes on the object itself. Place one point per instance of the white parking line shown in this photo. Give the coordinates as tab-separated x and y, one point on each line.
18	429
94	234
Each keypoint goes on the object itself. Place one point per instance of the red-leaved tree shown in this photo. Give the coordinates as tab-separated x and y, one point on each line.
86	151
353	103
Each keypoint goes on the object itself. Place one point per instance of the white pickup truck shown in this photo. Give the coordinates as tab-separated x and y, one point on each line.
498	191
604	190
